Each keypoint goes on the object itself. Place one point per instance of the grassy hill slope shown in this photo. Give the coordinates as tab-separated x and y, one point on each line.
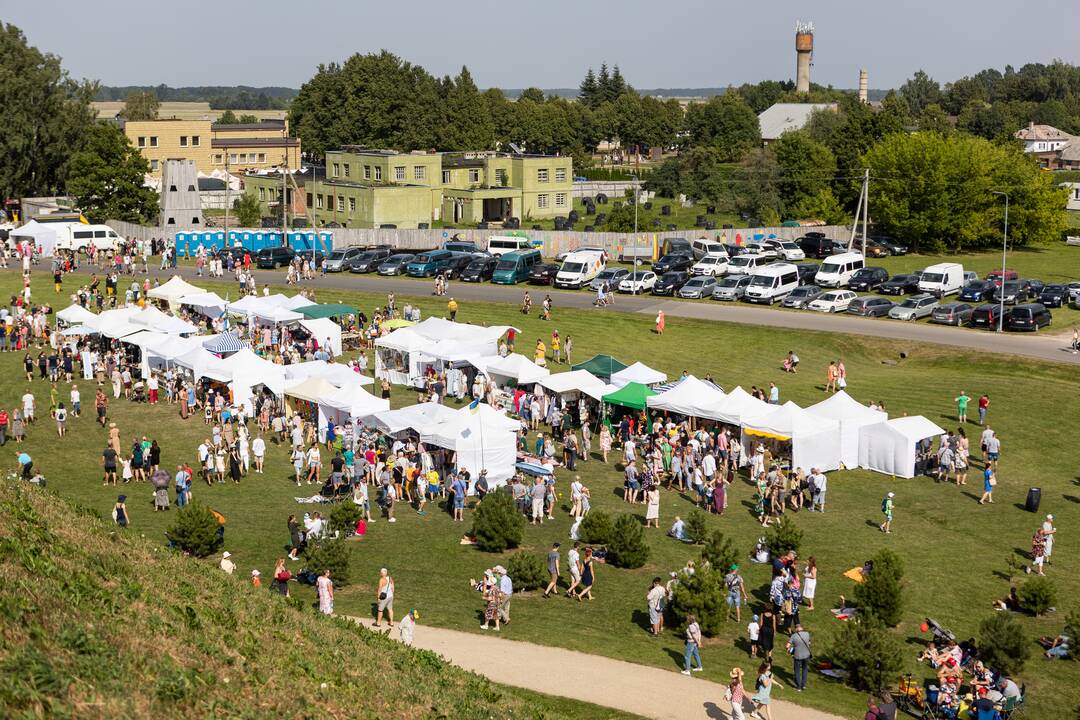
98	623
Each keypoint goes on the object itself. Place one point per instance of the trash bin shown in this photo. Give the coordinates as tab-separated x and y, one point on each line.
1033	498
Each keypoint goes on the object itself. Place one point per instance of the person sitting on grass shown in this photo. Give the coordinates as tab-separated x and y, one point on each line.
678	530
1056	648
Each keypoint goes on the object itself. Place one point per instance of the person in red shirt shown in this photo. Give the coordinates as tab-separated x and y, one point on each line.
984	405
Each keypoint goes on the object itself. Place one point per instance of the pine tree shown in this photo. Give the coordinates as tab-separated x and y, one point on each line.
703	595
195	530
784	537
603	84
869	653
719	552
881	593
695	527
527	570
1003	645
588	90
596	528
627	548
328	554
498	525
618	85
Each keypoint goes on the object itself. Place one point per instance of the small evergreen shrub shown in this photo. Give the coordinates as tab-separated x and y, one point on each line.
695	527
627	547
596	528
1002	643
703	595
527	570
881	593
343	518
1037	594
498	525
328	554
719	552
868	651
783	537
195	530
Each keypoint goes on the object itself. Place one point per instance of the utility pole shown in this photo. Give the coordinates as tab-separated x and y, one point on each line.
861	210
226	197
1004	249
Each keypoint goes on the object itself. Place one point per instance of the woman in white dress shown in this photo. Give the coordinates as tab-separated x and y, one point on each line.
325	588
810	582
652	511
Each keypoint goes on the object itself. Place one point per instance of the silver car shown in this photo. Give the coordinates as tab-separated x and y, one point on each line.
800	296
915	307
732	287
341	259
698	287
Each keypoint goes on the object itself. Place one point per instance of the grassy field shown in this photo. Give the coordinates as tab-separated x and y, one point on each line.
183	110
102	624
955	550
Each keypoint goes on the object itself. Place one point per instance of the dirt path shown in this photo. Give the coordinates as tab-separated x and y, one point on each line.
629	687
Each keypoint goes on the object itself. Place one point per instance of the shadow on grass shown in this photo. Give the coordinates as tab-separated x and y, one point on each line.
871	523
1072	498
676	656
641	619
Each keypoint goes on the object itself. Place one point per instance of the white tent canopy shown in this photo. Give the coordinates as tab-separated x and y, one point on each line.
75	314
204	364
597	392
334	373
483	439
738	404
640	373
276	315
569	382
518	368
247	304
168	348
173	290
102	321
352	401
815	441
207	303
324	329
889	447
40	234
311	389
852	416
151	317
248	369
417	417
692	397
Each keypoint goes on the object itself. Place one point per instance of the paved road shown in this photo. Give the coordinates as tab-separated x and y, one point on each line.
629	687
1041	346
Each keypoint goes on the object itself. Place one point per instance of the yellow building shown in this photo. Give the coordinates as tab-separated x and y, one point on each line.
247	147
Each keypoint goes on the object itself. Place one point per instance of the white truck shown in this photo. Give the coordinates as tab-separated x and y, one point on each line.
942	279
579	268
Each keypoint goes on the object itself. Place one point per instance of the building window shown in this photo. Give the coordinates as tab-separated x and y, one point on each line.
262	157
183	141
542	201
347	169
153	141
352	205
474	176
500	177
154	165
142	141
194	141
560	199
446	177
217	158
542	175
378	173
318	201
341	203
419	172
262	193
399	172
232	158
337	170
243	158
560	175
367	172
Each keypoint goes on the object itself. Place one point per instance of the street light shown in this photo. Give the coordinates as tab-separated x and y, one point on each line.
1004	247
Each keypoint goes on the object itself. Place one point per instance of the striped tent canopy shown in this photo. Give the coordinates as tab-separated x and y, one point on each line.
226	342
661	389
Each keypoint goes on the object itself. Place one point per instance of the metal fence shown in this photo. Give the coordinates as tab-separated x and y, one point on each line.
551	242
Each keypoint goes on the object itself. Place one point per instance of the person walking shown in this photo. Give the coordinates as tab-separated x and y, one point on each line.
887	510
736	693
763	691
452	307
385	597
809	586
324	586
736	591
989	481
586	575
506	592
661	322
984	405
652	507
962	401
799	647
692	651
573	566
1049	531
407	627
553	571
119	511
655	600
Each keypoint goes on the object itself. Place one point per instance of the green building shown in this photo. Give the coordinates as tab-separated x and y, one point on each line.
365	188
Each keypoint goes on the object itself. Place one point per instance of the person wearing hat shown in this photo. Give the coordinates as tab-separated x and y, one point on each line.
506	591
736	694
256	581
407	627
119	512
1048	537
887	510
753	632
736	590
226	564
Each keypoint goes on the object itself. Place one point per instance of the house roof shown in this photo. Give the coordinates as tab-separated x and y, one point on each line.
782	117
1035	132
1070	152
263	125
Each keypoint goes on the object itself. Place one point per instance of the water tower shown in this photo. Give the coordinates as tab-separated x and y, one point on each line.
804	54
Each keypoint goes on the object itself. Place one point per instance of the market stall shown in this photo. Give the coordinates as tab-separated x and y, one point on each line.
852	416
690	397
209	304
482	439
809	440
351	402
325	331
890	447
602	366
639	373
172	291
75	315
515	369
304	398
414	417
738	404
569	385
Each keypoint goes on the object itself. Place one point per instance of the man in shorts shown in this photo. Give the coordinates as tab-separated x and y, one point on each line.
537	493
887	511
459	498
108	463
573	566
553	570
736	590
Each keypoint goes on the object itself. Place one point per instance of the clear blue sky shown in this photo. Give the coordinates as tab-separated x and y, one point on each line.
546	43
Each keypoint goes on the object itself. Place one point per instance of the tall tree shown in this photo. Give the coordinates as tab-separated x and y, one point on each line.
45	117
141	105
921	90
617	86
726	122
589	90
467	123
603	83
107	176
807	167
534	94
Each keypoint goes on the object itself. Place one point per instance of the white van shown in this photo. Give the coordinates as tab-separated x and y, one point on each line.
836	270
771	283
745	264
79	236
704	246
942	279
579	268
501	244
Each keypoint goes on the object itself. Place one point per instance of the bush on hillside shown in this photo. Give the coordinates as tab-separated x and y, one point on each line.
596	528
343	518
1003	645
869	653
783	536
328	554
703	595
881	593
527	570
627	547
1072	629
719	552
1037	594
695	527
195	530
498	525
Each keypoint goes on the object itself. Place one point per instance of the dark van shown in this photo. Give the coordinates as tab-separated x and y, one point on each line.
1029	316
986	316
429	263
816	246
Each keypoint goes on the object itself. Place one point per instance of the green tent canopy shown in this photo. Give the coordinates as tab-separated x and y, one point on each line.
631	395
602	366
325	311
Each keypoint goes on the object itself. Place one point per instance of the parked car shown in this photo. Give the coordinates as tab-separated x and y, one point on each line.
745	264
995	276
274	257
608	279
1028	316
760	248
429	263
712	264
733	287
884	241
704	246
543	274
785	249
1012	291
340	260
732	249
970	275
986	316
807	272
815	246
368	261
872	250
673	262
1074	289
1033	286
977	291
396	264
638	282
833	301
480	269
870	306
670	282
677	246
915	307
457	265
467	247
952	313
800	296
698	287
1054	295
868	279
900	285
